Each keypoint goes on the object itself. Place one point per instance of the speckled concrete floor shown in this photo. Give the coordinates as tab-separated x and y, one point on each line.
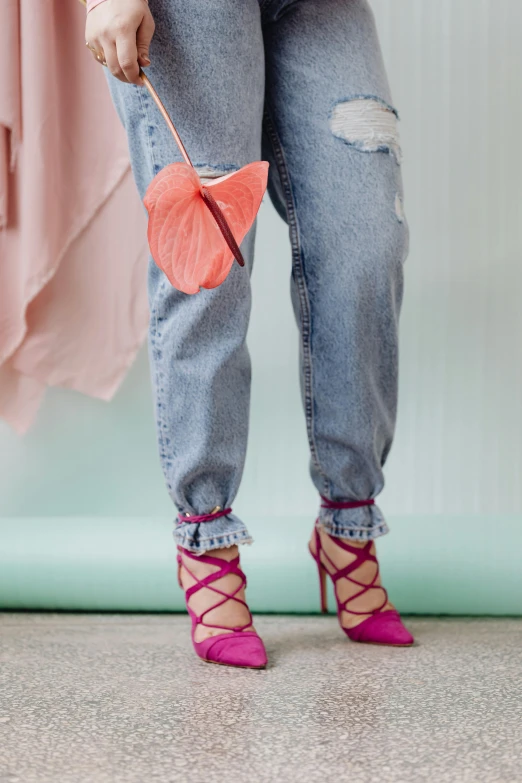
93	699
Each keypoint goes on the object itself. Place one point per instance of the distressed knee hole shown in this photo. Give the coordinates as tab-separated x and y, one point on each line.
207	172
367	123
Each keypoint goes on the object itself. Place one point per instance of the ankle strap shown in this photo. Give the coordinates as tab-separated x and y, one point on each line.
349	504
203	517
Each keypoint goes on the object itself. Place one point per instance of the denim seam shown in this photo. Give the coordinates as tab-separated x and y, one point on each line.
345	531
160	400
213	542
304	301
185	534
155	332
147	117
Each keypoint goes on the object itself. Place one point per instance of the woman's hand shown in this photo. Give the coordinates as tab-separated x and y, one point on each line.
121	31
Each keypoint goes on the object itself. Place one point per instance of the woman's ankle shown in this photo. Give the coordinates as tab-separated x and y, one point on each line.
338	558
228	614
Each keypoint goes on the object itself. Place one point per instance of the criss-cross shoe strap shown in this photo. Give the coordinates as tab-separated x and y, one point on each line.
226	568
362	555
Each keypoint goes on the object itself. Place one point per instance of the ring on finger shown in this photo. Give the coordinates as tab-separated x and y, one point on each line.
98	55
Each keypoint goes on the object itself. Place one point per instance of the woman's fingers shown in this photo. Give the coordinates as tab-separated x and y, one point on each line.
127	54
121	30
97	52
113	63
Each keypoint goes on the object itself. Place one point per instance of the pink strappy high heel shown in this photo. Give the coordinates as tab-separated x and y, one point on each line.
381	627
238	647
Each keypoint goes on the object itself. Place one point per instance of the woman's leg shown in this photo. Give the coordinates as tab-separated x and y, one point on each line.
331	132
208	68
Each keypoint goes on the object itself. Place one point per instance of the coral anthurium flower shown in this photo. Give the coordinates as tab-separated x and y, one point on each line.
195	230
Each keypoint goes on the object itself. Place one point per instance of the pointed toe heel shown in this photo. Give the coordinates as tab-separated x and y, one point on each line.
244	650
236	646
382	626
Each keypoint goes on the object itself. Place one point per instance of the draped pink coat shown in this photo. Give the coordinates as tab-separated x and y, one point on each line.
73	252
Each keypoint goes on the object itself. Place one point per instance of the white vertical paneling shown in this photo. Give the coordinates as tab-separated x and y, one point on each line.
455	69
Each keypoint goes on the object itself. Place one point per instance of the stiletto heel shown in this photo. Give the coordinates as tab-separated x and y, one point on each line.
321	570
238	647
323	589
381	627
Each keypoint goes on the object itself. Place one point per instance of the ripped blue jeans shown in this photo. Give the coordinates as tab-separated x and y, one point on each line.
301	84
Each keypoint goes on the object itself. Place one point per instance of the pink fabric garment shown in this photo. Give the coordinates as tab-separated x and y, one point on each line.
73	247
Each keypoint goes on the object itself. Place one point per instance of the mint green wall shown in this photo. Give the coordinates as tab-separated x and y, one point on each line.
453	479
443	565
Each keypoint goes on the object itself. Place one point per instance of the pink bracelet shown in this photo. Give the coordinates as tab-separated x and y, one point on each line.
93	3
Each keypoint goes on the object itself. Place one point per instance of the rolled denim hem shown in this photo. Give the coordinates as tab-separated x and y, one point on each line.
358	524
201	537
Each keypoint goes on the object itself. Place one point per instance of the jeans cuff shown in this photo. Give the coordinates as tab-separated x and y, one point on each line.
200	537
358	524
